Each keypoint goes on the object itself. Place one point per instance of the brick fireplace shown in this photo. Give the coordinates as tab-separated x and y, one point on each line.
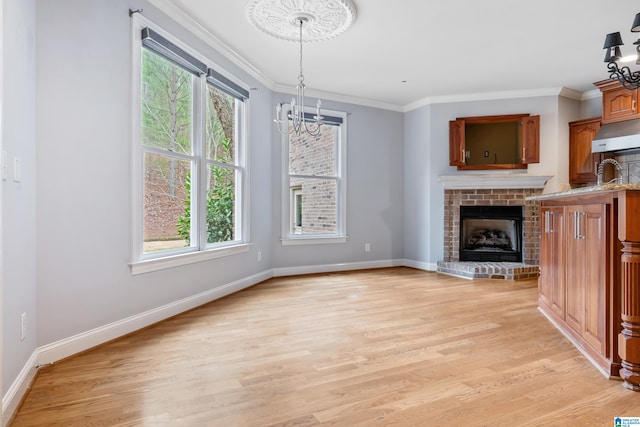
491	190
490	233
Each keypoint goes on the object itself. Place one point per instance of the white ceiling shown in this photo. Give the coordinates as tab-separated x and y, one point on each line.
441	49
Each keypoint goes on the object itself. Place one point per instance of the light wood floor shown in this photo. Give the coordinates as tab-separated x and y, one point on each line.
388	347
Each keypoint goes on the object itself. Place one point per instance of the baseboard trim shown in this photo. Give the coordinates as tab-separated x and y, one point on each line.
328	268
58	350
70	346
11	400
427	266
64	348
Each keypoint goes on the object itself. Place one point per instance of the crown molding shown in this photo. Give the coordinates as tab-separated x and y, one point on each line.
177	14
182	18
489	96
571	94
332	96
592	94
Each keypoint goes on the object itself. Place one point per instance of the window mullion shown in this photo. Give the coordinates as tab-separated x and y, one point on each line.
167	153
241	189
201	168
223	164
328	177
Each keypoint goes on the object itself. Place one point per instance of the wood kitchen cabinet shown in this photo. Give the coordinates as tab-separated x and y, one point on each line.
552	278
618	103
494	142
586	259
579	274
529	143
583	165
456	143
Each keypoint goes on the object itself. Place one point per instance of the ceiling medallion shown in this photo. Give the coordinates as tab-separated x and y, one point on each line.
324	19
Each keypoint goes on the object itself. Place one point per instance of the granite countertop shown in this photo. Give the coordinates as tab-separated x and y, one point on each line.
586	190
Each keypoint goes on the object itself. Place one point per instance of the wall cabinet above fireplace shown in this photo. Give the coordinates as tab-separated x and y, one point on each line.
494	142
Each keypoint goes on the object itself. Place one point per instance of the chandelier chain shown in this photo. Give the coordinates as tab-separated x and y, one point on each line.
301	75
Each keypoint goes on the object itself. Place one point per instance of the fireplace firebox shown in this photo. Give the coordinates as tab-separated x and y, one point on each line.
491	233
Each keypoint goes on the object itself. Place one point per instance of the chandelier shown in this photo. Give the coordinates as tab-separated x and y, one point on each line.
629	79
299	121
290	20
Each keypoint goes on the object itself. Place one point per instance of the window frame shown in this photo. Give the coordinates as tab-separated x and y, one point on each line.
288	236
295	205
147	262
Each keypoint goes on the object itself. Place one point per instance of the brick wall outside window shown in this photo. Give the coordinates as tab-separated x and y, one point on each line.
315	156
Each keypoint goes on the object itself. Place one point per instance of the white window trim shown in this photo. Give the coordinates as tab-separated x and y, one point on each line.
340	236
144	263
320	240
295	193
156	264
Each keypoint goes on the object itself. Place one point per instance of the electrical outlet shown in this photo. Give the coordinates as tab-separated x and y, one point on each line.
23	326
367	247
259	256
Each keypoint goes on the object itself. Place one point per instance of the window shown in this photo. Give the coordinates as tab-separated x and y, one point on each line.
189	163
314	184
296	209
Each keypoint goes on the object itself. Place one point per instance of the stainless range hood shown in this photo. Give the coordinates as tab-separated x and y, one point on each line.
620	136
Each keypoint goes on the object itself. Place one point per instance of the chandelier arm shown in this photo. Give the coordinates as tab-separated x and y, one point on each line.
314	130
295	124
629	80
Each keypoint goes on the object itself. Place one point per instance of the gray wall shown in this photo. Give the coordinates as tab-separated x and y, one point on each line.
18	199
84	151
67	266
427	157
420	158
66	235
374	191
591	107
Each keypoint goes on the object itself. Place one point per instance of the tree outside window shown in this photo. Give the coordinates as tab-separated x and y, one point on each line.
175	151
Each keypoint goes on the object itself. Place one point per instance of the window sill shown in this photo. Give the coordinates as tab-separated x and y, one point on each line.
291	241
147	266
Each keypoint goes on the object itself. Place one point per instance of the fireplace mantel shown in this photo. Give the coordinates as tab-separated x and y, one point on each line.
464	181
